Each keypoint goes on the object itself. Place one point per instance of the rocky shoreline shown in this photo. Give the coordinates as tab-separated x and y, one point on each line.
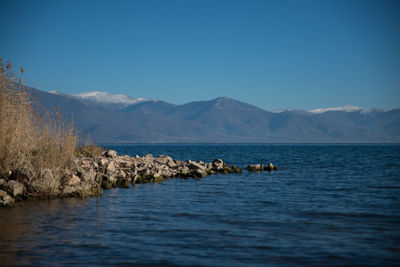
88	176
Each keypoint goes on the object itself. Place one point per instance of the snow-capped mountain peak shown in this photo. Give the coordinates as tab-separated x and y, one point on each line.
105	98
109	98
342	108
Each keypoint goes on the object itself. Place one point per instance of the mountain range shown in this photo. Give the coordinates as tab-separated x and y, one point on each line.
110	118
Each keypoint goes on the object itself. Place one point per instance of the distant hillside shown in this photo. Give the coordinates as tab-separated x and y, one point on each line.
126	120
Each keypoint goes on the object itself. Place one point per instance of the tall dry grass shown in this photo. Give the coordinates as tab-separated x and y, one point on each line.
27	136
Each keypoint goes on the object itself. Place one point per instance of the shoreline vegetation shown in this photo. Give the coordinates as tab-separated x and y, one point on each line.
40	157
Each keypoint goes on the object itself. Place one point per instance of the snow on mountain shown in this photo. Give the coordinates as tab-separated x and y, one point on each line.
342	108
105	98
109	98
55	92
296	111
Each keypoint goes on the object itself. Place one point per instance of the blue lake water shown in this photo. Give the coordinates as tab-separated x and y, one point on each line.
326	205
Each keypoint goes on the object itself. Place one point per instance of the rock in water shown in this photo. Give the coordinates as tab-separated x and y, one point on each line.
46	184
199	173
68	191
196	166
15	189
255	167
5	199
261	167
270	167
218	165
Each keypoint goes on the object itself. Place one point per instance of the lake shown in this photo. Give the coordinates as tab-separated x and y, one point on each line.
326	205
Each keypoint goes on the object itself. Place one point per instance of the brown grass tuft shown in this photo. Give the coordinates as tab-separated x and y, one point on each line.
88	149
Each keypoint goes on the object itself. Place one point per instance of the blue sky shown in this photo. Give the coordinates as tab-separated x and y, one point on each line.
272	54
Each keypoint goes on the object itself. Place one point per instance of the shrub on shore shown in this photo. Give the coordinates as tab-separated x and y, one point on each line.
29	137
89	150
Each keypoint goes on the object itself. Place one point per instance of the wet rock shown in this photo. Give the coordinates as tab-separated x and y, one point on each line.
261	167
107	184
68	191
227	169
5	199
199	173
122	183
255	167
157	173
236	169
15	189
218	165
209	171
269	167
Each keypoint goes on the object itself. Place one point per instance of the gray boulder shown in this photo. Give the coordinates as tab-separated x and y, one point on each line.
261	167
255	167
196	166
199	173
15	189
269	167
5	199
184	171
110	153
88	177
68	191
111	167
162	159
46	184
218	165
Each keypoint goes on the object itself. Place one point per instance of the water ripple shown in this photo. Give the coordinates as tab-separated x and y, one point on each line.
325	206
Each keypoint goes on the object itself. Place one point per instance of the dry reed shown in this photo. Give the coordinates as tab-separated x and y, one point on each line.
27	136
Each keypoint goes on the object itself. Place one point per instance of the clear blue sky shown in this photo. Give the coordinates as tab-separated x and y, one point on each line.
272	54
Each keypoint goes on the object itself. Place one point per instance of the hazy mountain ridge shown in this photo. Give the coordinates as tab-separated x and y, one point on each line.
221	120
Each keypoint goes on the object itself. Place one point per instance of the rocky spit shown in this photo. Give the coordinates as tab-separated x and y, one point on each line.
89	176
